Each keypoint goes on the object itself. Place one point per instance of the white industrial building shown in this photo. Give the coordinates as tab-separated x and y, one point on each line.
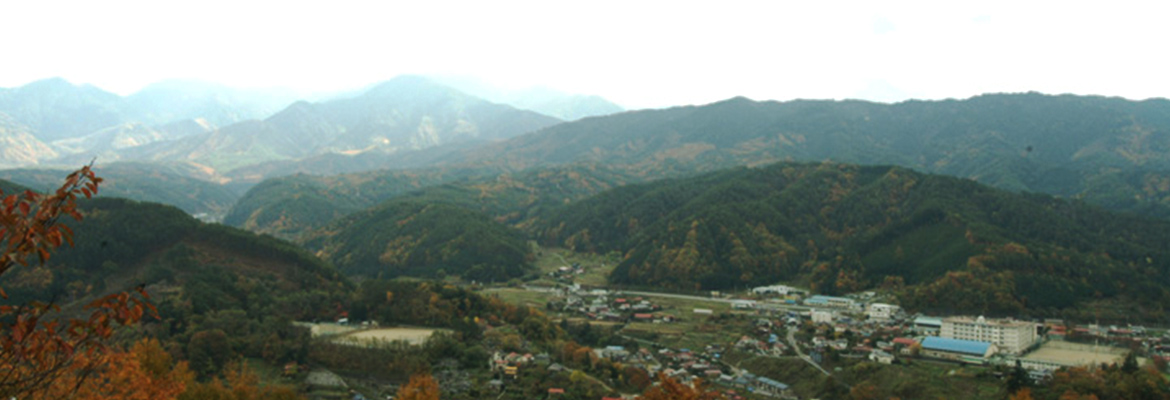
781	290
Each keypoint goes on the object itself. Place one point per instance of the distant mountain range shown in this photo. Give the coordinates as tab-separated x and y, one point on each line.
400	115
170	184
263	133
568	107
1109	151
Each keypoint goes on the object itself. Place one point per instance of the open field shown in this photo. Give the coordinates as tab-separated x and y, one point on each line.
414	336
597	266
520	296
1076	353
328	328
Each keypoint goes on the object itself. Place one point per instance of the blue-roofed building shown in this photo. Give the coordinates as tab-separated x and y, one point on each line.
957	349
830	301
770	386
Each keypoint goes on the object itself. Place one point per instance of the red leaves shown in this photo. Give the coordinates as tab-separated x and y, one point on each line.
34	354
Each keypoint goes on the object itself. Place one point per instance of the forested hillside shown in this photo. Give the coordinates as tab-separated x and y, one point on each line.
123	243
288	206
143	182
1110	151
422	239
940	242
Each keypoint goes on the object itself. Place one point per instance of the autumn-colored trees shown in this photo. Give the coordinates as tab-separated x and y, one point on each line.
40	352
144	372
420	387
670	389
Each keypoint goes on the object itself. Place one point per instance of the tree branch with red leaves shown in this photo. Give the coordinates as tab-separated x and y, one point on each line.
37	350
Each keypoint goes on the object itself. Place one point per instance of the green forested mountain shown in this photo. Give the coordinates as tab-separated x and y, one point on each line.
289	206
10	188
221	293
123	243
1110	152
144	182
414	238
1072	146
939	241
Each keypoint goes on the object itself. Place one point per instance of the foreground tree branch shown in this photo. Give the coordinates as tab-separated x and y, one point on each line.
37	350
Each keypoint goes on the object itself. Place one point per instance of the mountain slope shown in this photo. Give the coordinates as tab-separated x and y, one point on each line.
1060	145
56	109
841	228
568	107
143	182
403	114
18	146
289	206
188	266
175	100
423	240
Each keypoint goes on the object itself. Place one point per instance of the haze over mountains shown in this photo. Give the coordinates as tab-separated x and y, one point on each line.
54	122
1107	151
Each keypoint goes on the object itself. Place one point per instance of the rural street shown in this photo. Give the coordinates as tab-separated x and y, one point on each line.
796	348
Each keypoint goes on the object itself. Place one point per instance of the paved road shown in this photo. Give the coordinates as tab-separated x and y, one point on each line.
796	347
678	296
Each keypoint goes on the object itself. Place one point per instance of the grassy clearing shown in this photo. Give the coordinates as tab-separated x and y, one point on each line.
374	337
520	296
597	266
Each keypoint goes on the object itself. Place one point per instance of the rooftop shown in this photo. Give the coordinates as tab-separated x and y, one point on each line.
823	298
772	382
956	345
928	321
985	321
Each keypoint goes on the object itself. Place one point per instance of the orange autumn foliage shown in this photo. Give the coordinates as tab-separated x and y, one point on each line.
144	372
1022	394
420	387
670	389
38	351
239	383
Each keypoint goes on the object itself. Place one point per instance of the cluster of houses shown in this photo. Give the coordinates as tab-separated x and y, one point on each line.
685	365
858	326
602	305
565	274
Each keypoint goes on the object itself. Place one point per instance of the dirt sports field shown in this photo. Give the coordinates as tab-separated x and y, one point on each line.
1076	353
328	329
414	336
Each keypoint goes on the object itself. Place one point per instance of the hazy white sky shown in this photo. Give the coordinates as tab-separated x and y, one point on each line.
637	53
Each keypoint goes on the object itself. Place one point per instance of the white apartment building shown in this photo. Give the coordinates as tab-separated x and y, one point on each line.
822	317
1010	336
882	311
